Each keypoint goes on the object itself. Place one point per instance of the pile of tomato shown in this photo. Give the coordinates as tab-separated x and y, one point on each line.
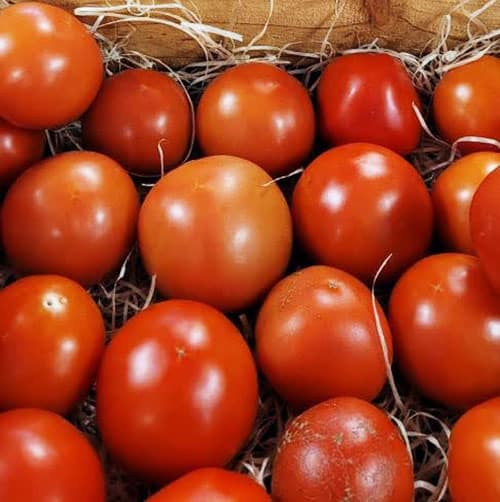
177	386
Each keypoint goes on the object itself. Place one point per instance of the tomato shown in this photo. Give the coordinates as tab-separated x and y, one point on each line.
50	66
465	103
342	449
356	204
44	458
445	321
216	230
316	338
452	196
258	112
72	215
368	98
177	390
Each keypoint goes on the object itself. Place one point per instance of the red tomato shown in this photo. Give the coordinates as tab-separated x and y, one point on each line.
135	113
50	66
445	322
356	204
217	231
466	103
368	98
73	214
316	338
452	196
177	390
342	449
44	458
260	113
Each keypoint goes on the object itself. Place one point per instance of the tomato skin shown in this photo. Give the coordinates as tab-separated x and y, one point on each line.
368	98
342	449
317	339
50	66
44	458
177	390
258	112
356	204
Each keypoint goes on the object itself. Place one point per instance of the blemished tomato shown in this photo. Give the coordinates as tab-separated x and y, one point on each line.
445	321
260	113
317	339
50	66
368	98
466	103
342	449
216	230
136	113
176	391
74	215
212	485
356	204
452	196
44	458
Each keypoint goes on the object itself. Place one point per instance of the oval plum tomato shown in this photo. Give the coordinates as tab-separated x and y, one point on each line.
368	98
216	230
50	66
136	113
260	113
44	458
177	390
51	341
73	215
317	338
445	318
466	103
452	196
342	449
356	204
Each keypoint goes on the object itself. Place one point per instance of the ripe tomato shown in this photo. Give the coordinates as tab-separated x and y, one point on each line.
44	458
368	98
342	449
177	390
50	66
73	214
452	196
316	338
356	204
445	321
260	113
135	113
465	103
217	231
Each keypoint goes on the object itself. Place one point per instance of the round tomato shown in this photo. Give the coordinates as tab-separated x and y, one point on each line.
73	214
356	204
452	196
216	230
316	338
258	112
50	66
445	319
342	449
465	103
177	390
44	458
368	98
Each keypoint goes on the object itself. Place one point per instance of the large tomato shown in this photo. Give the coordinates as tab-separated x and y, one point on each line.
258	112
73	214
177	390
341	450
50	66
216	230
356	204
